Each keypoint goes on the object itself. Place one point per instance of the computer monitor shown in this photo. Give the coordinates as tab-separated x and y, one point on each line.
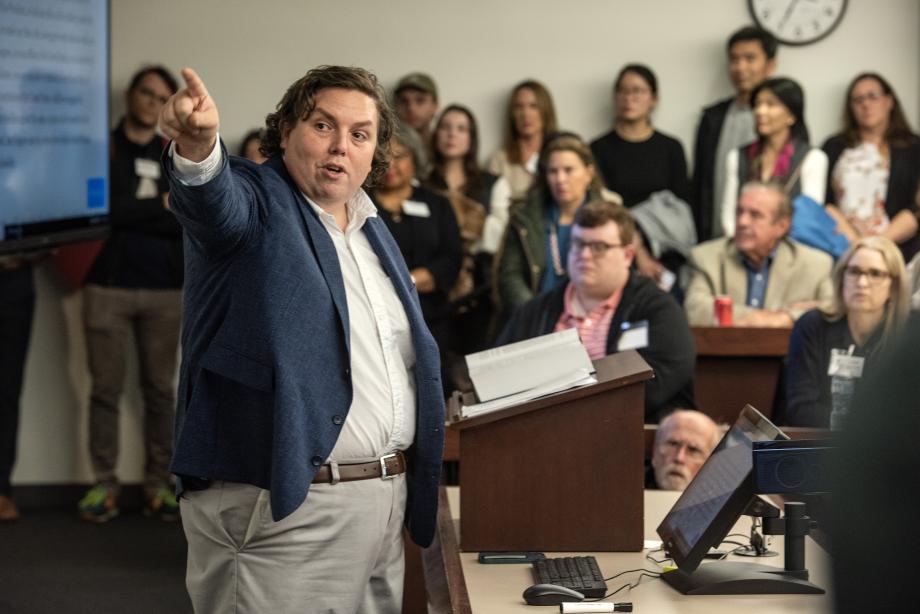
706	511
54	123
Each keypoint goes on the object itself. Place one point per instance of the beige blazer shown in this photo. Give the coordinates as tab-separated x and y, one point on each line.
798	273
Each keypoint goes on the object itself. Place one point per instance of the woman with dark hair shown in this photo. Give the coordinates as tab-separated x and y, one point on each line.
425	229
829	346
634	159
530	117
874	166
480	201
532	257
250	147
780	154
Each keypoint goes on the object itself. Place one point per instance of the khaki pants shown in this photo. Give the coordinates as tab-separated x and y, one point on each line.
110	316
340	552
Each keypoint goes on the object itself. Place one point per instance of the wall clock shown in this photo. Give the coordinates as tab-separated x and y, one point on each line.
798	22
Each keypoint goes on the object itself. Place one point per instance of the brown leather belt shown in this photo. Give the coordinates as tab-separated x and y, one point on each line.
386	468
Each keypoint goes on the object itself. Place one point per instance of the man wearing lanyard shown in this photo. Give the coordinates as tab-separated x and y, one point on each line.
310	416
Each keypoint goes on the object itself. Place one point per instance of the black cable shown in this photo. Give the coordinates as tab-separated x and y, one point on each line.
630	571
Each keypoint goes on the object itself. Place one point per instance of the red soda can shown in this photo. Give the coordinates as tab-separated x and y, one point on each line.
723	310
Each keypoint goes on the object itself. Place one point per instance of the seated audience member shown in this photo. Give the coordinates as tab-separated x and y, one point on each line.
614	309
634	159
532	256
771	279
684	440
250	147
530	117
780	154
829	348
874	166
416	105
728	124
425	229
481	201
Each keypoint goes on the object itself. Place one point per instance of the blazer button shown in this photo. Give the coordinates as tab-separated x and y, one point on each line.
337	420
317	461
347	371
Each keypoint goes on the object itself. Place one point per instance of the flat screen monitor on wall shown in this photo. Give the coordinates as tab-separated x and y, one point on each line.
54	118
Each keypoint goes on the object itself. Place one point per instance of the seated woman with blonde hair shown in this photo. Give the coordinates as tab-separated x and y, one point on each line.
830	347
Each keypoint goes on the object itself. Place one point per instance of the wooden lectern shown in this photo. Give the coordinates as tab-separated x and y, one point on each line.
563	472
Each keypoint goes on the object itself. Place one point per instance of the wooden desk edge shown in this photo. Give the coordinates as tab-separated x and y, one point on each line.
450	557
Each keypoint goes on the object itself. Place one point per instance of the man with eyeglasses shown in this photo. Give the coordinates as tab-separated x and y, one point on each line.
614	309
684	440
134	289
772	280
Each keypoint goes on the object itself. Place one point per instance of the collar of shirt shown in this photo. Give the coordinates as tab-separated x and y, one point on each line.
764	266
574	310
360	207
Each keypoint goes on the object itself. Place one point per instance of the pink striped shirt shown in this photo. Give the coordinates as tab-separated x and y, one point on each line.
593	326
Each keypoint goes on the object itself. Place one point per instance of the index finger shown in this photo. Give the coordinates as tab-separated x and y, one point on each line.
193	83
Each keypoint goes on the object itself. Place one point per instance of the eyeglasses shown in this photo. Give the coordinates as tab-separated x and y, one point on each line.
635	92
873	276
673	445
597	248
149	93
869	97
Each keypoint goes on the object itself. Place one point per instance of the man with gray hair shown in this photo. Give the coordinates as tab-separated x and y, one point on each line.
770	278
309	427
684	440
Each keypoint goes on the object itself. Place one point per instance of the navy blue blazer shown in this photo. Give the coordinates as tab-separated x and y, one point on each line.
265	381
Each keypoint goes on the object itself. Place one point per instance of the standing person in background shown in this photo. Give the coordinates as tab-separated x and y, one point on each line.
416	98
134	288
781	153
634	159
874	166
728	125
17	308
533	256
481	201
249	147
530	117
425	229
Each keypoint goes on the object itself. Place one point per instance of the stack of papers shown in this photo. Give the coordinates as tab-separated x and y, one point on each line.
526	370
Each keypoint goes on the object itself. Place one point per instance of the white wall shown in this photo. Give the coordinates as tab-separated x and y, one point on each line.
249	52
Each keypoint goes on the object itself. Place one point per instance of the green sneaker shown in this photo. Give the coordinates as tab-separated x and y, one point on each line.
100	504
163	505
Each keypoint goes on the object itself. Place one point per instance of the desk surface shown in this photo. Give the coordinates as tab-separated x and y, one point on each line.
496	589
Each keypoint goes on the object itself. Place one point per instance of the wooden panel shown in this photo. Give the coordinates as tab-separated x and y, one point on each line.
738	341
568	477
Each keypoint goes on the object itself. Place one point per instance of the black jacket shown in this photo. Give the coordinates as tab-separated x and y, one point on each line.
704	166
670	353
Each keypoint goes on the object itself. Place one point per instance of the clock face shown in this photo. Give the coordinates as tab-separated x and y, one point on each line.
797	22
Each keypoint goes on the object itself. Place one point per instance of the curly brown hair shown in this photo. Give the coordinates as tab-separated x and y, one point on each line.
300	99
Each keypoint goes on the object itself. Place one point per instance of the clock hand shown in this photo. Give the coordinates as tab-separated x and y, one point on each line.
787	14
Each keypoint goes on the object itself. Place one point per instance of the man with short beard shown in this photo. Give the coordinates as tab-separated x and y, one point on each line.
684	440
134	289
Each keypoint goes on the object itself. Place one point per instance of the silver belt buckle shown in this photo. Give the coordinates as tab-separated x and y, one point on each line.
383	467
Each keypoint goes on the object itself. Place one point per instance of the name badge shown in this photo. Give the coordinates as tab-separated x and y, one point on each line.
844	364
149	169
416	209
634	336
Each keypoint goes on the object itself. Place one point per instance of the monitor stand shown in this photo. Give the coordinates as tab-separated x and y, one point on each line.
742	578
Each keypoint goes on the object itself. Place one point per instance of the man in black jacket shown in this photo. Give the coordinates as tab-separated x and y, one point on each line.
615	309
728	124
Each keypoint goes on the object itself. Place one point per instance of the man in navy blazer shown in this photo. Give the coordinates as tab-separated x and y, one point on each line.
310	415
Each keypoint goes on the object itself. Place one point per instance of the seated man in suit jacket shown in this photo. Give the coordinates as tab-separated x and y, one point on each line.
771	280
306	366
615	309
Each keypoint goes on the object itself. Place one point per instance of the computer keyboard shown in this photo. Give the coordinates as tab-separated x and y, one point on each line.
579	573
